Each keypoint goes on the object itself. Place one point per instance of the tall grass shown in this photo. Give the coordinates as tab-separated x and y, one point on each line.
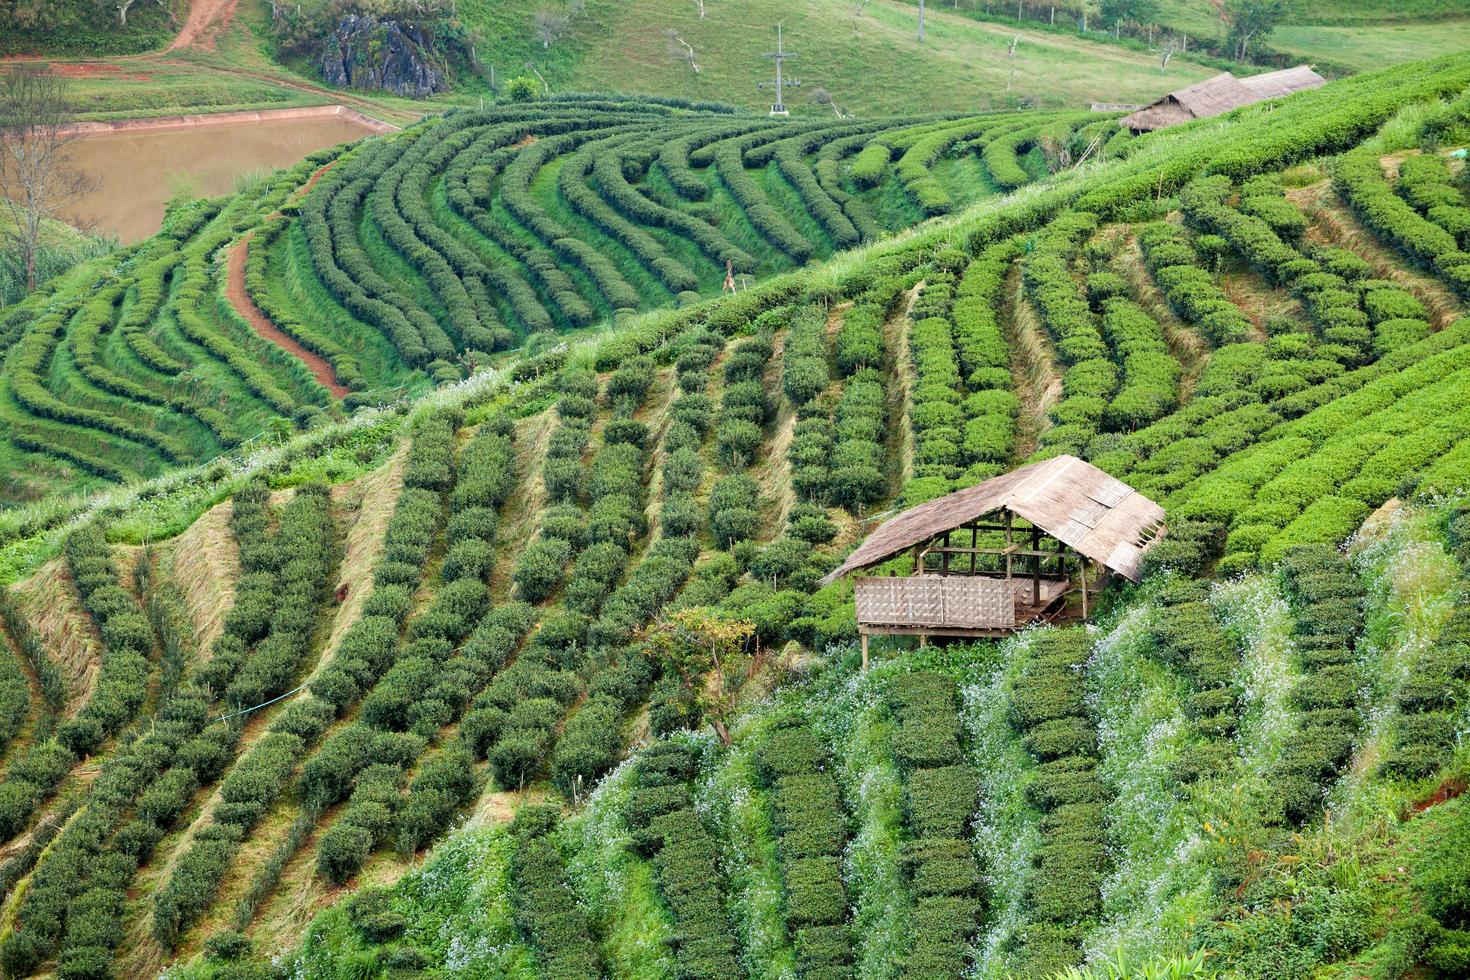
1007	827
1256	616
849	715
1413	586
52	260
740	813
457	907
617	886
1156	887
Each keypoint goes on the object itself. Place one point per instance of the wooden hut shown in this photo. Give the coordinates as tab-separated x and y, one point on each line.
1220	94
992	558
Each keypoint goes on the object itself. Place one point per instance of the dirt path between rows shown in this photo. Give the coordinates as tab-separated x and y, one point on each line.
207	20
240	299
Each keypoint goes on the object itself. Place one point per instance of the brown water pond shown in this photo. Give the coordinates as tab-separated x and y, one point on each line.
135	170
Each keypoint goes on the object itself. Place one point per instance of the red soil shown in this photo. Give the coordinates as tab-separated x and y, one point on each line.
206	22
1447	790
97	69
305	188
241	301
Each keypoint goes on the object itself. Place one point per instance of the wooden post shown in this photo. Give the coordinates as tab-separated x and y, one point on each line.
1010	539
974	543
865	652
1084	587
1035	567
944	561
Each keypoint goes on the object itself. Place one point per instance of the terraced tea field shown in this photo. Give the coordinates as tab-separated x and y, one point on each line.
570	604
415	256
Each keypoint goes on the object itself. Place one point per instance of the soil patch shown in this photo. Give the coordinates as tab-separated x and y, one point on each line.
1035	376
98	69
245	306
207	20
1446	791
367	506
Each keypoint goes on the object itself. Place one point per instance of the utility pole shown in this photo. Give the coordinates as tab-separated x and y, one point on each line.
779	56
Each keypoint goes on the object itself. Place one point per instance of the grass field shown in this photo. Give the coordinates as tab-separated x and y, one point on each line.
870	65
1369	46
1356	34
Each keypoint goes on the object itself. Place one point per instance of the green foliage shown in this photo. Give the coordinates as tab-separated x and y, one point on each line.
685	858
1064	894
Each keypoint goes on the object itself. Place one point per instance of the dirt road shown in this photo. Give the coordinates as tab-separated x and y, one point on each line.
207	20
240	299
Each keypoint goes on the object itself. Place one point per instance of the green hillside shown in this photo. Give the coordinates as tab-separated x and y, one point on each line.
870	64
84	27
420	255
441	684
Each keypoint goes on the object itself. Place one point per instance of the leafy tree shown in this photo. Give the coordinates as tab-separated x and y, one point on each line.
710	654
1251	21
523	89
1129	11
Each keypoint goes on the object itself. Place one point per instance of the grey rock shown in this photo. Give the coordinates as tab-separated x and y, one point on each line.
366	53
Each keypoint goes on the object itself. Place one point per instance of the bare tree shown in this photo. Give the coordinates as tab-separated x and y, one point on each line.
1165	54
123	6
921	20
859	6
548	27
821	96
681	49
701	8
36	181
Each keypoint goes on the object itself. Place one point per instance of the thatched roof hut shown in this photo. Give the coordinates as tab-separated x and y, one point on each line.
1218	95
1028	530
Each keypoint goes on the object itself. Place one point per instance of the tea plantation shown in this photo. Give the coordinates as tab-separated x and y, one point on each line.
411	257
516	663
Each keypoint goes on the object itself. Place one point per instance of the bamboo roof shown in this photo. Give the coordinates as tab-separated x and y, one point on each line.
1087	510
1220	94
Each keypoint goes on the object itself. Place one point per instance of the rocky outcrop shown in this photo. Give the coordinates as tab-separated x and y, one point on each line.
382	55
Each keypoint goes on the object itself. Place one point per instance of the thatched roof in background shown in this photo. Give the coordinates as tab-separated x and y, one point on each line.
1073	501
1275	84
1220	94
1214	96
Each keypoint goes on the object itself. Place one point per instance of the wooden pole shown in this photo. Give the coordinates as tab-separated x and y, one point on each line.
1035	567
865	652
1084	588
944	566
1010	540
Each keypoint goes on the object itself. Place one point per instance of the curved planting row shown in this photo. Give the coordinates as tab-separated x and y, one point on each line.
139	362
533	197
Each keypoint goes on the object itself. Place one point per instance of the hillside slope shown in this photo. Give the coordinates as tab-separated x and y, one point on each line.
370	272
442	609
869	64
81	27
